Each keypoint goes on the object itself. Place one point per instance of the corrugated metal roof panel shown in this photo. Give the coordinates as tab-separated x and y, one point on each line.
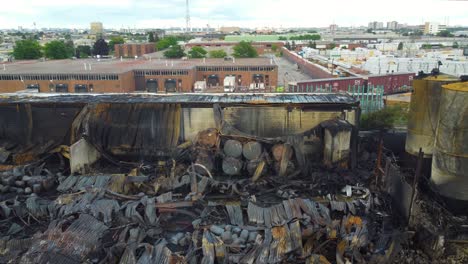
251	99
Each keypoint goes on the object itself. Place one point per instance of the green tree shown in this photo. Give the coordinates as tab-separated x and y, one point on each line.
332	45
455	45
282	38
27	50
400	46
116	40
100	47
151	37
426	46
83	51
166	43
217	54
274	47
306	37
70	46
57	50
445	33
174	52
197	52
244	50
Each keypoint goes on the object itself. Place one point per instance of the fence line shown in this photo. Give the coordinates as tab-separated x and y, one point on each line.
370	97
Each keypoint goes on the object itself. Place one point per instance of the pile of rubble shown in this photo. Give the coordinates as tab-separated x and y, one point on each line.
220	200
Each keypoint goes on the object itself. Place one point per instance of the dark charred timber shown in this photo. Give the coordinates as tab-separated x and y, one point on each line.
253	165
278	150
204	158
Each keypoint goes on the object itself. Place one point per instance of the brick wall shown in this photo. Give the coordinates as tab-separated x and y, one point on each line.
186	82
132	50
13	86
124	84
246	77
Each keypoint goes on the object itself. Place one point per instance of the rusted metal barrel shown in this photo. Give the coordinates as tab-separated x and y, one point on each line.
232	166
450	159
233	148
423	114
252	150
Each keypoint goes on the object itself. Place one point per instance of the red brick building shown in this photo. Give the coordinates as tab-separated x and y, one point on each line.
126	76
132	50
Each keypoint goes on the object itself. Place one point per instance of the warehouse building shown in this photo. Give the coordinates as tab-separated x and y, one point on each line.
126	76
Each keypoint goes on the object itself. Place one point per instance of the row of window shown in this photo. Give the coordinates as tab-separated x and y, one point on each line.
235	68
140	73
63	88
58	77
152	85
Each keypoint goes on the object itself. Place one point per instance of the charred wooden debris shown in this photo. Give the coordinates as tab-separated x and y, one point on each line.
204	211
129	190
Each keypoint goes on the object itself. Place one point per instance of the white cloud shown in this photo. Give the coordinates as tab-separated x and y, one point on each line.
245	13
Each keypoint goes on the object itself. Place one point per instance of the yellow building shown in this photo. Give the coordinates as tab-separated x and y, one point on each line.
96	29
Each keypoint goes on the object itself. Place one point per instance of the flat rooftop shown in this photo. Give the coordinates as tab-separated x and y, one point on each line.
116	66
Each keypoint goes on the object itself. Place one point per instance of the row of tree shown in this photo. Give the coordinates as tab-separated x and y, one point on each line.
302	37
30	49
242	50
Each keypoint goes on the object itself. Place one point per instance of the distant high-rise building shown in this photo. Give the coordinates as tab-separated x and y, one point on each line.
393	25
96	29
376	25
433	28
333	28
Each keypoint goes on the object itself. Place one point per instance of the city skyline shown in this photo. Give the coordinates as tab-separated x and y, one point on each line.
251	14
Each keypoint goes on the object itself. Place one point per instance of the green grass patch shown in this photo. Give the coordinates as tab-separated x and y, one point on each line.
387	118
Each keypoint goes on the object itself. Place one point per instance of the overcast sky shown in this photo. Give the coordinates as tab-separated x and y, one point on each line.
243	13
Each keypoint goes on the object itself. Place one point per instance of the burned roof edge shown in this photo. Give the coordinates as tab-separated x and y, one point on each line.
185	98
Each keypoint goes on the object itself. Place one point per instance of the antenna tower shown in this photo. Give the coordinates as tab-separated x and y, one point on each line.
187	16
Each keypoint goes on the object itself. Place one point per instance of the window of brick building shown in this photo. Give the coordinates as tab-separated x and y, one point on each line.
61	88
152	85
33	86
81	88
170	85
